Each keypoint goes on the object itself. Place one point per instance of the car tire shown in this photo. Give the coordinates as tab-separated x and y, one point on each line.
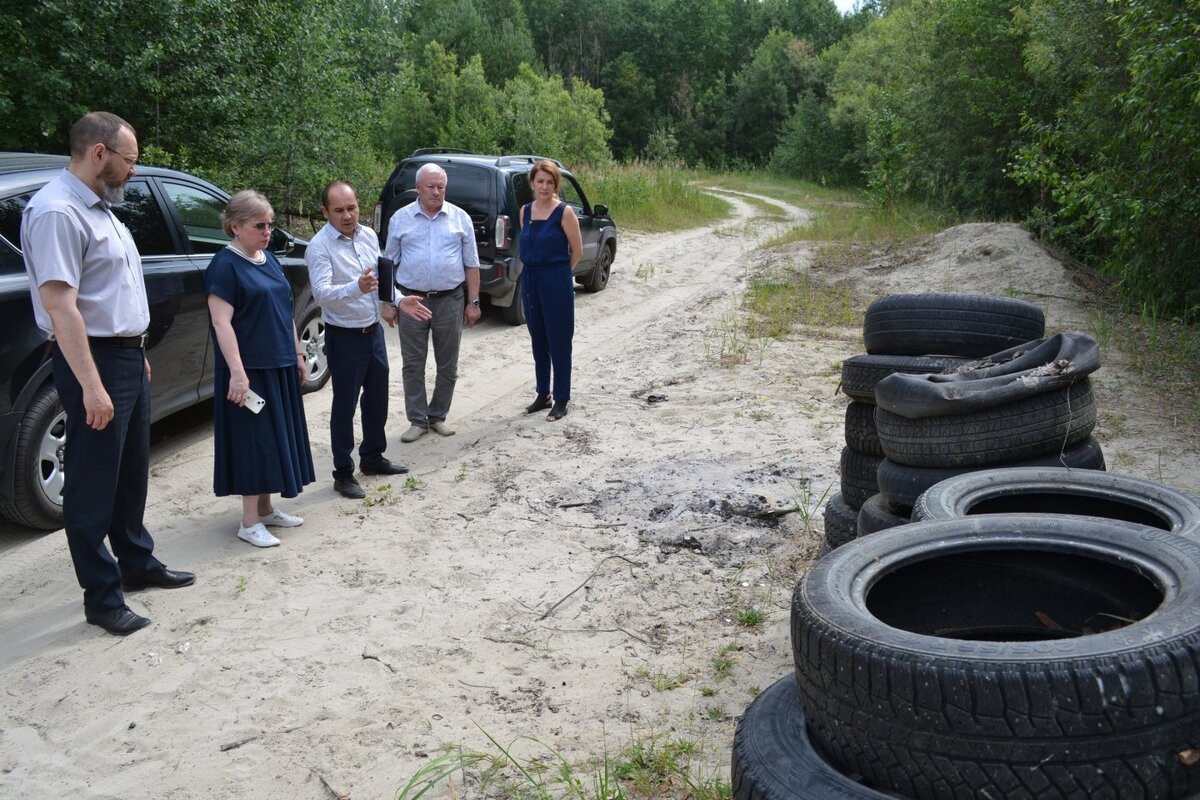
311	329
1022	656
875	516
1058	490
38	463
860	373
901	484
949	324
514	312
598	279
860	429
859	478
773	758
841	522
1034	426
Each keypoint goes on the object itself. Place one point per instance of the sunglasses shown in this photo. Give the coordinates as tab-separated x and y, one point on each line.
262	226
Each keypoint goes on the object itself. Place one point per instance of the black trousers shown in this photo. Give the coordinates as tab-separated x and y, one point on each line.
105	475
358	370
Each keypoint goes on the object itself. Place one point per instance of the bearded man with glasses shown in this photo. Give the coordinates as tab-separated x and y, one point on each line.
90	298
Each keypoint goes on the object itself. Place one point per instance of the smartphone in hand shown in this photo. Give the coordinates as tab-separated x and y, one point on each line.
254	401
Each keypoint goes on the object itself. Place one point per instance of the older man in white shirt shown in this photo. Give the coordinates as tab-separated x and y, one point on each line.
432	243
342	261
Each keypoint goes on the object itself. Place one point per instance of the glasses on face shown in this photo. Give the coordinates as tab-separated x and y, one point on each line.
263	226
129	160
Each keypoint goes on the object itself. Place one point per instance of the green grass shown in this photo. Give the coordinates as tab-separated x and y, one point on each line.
650	197
649	767
780	301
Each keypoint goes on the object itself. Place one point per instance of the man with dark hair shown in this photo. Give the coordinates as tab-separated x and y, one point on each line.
89	296
342	261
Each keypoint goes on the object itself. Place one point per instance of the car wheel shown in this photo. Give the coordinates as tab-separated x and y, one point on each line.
773	758
38	464
1023	656
600	273
514	312
1059	490
312	339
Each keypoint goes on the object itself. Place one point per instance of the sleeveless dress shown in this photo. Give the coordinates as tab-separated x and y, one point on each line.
548	293
268	452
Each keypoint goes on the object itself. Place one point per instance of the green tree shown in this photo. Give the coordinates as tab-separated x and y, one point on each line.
764	93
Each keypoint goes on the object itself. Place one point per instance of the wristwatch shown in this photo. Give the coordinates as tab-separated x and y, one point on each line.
475	303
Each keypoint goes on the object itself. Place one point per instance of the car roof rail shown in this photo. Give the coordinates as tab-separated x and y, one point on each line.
504	161
435	151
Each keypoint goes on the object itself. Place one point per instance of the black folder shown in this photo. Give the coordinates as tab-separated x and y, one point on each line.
387	280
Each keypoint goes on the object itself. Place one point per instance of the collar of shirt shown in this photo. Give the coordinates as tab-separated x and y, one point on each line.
83	191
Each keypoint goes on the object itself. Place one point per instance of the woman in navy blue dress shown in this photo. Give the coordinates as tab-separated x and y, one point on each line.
550	247
257	353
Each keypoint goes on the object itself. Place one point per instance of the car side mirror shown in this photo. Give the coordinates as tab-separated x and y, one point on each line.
282	242
600	211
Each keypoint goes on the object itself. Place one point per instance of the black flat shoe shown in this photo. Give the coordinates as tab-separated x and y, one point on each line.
117	621
539	402
558	412
162	578
383	467
348	487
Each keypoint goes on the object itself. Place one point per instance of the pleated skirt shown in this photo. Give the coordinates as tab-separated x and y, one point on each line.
264	453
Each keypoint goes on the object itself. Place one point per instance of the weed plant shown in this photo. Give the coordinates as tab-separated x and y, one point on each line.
651	197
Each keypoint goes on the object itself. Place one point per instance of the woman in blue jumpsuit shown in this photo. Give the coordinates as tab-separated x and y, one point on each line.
550	247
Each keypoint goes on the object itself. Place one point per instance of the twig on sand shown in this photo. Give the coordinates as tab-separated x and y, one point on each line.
550	610
334	793
367	655
249	739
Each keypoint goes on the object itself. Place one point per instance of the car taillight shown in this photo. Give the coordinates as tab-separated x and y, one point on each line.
377	217
502	232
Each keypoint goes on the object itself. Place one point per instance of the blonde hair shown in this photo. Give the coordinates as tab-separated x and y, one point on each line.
550	168
243	207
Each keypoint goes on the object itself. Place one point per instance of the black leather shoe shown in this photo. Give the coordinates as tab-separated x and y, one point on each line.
383	467
117	621
161	578
539	402
348	487
558	412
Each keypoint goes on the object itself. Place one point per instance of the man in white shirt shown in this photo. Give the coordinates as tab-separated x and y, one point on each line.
342	261
432	243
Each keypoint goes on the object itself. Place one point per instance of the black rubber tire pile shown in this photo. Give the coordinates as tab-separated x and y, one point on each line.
1033	633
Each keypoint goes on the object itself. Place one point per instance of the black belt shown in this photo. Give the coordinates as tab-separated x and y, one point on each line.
138	341
368	329
420	293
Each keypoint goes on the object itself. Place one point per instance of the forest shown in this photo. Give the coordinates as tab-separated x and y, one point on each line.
1079	118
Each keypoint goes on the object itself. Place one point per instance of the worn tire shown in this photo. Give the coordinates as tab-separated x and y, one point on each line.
949	324
859	481
935	656
514	312
1035	426
773	758
38	473
861	373
860	430
841	522
1058	490
876	516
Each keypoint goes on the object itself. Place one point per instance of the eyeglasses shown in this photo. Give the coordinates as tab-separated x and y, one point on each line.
263	226
129	160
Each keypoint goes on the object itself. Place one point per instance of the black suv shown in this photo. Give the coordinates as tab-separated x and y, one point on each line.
492	190
176	221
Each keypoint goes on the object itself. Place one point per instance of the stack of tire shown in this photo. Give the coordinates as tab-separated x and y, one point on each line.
910	334
1032	634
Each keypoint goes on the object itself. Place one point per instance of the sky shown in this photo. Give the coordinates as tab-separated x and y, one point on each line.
845	6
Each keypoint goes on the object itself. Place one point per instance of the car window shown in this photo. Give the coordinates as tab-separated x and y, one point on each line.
570	192
200	213
520	184
141	214
469	188
10	230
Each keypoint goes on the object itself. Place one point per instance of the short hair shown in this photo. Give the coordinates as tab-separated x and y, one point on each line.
243	207
550	168
426	169
329	187
96	127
